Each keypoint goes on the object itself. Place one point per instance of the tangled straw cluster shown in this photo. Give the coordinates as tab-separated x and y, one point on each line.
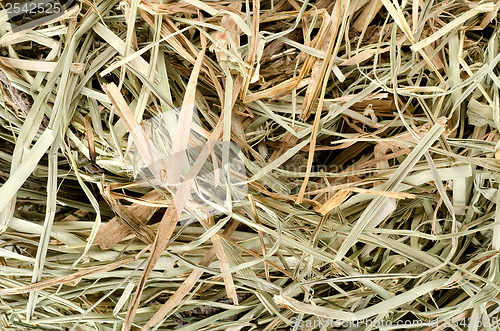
368	133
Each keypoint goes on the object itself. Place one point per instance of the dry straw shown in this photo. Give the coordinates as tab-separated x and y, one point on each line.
369	132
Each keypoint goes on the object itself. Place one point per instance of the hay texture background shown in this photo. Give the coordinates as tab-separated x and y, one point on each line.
368	136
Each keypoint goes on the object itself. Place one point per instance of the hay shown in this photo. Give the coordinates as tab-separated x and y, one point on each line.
250	165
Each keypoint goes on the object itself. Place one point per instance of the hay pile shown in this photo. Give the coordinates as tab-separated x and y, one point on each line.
361	137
